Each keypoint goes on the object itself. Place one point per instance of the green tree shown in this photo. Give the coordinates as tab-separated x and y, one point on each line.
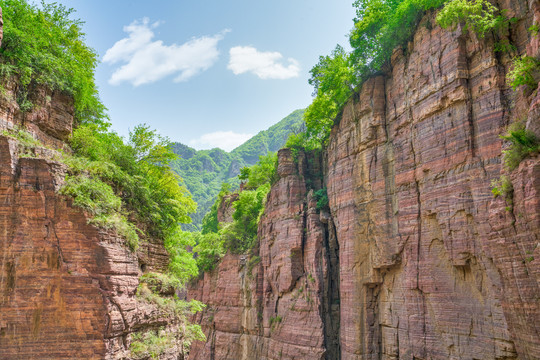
45	46
118	180
333	79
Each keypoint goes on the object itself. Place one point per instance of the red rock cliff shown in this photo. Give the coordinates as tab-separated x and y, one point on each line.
417	259
67	289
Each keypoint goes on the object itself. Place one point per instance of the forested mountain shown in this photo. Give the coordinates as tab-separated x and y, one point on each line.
204	171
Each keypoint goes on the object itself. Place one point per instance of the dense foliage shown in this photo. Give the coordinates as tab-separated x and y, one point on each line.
525	71
479	16
334	79
240	235
45	46
127	183
380	27
205	171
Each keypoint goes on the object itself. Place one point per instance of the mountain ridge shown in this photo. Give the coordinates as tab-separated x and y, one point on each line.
204	171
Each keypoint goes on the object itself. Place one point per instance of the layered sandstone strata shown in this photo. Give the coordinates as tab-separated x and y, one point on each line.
268	305
429	264
67	289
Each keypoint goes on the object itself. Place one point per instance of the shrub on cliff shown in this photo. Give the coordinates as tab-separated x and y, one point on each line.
479	16
46	46
522	143
334	79
525	71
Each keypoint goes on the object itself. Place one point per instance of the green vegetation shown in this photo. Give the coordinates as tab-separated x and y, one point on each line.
502	187
263	172
523	143
479	16
275	321
334	79
98	198
27	143
380	27
205	171
154	289
271	139
525	71
116	181
253	261
322	198
45	47
240	235
151	343
534	30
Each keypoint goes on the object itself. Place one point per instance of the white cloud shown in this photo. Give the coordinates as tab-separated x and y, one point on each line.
226	140
147	60
266	65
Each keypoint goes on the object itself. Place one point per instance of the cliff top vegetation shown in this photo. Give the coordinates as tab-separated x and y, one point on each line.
46	46
380	27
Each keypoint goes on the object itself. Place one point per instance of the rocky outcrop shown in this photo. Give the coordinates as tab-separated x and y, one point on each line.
67	288
415	259
268	305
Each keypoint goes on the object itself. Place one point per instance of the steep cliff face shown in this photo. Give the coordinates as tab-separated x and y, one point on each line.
416	259
269	305
67	289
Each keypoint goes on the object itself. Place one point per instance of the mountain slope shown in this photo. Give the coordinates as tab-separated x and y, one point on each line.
204	171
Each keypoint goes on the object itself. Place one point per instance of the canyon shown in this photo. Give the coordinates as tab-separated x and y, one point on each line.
413	258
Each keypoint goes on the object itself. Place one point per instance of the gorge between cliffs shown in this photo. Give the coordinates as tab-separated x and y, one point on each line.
412	258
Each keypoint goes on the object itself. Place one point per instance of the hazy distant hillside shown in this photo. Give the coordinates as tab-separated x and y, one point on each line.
204	171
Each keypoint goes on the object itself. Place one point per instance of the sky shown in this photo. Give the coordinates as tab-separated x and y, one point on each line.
208	73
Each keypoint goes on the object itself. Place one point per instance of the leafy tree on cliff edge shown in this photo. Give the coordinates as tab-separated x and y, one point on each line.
45	46
379	27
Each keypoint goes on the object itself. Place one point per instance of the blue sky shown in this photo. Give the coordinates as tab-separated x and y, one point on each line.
209	73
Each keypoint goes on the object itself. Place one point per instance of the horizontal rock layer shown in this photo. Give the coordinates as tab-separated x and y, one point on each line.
67	289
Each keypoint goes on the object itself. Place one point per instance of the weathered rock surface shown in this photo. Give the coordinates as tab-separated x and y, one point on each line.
267	306
416	259
67	289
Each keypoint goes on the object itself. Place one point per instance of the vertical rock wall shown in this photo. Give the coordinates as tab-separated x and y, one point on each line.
67	289
267	305
416	259
432	266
